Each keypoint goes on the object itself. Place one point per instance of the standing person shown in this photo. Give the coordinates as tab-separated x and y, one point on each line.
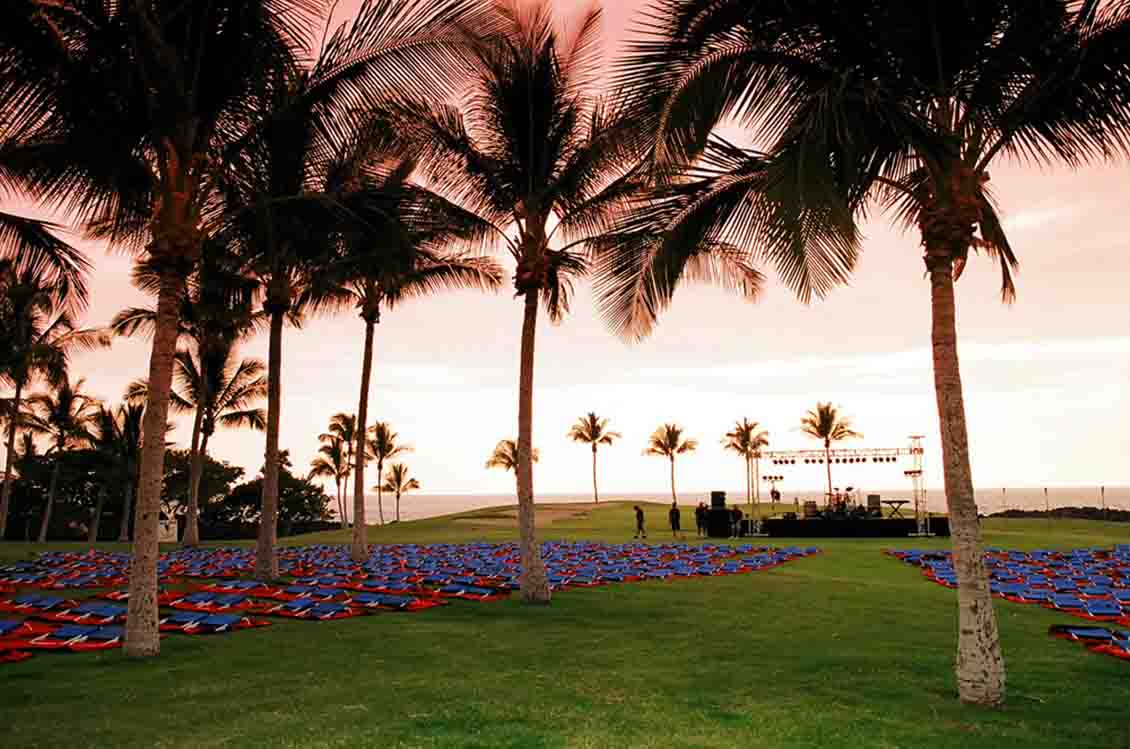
673	515
641	532
735	522
700	519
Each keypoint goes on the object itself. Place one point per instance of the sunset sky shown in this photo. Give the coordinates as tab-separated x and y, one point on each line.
1045	379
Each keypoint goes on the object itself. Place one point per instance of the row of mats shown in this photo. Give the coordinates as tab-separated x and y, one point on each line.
1091	584
325	584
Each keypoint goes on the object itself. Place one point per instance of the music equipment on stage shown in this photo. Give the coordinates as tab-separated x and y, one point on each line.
874	505
810	510
719	523
717	500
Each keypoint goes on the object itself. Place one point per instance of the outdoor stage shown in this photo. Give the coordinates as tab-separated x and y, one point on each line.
851	528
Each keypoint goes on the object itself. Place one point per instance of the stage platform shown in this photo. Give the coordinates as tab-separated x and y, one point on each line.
849	528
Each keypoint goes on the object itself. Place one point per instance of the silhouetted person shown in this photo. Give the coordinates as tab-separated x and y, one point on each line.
673	515
735	522
700	518
640	531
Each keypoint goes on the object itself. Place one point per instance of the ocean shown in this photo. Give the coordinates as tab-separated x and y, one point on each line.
420	505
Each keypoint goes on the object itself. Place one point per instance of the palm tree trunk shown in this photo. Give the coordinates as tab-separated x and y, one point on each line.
380	495
6	491
127	505
534	585
345	487
50	498
141	622
748	486
266	558
195	465
828	462
359	549
96	517
398	505
673	479
757	482
595	496
980	664
340	502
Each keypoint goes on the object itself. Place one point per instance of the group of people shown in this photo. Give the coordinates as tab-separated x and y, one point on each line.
701	512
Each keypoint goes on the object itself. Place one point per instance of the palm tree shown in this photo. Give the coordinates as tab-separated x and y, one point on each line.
400	482
909	116
216	311
668	441
66	417
168	80
39	339
343	427
746	439
296	184
827	424
374	275
220	392
530	139
331	462
117	438
594	431
381	446
505	456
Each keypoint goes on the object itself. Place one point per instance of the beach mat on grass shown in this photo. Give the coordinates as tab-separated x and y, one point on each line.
308	610
1100	640
201	623
388	602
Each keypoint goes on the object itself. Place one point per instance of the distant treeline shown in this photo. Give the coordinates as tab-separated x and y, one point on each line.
1076	513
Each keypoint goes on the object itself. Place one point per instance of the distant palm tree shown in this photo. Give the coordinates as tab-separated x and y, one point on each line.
343	426
530	139
505	456
331	462
216	311
219	392
594	431
668	441
746	439
825	423
66	416
39	338
382	445
117	438
400	482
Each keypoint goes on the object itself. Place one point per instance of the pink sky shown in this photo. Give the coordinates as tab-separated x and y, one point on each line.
1045	379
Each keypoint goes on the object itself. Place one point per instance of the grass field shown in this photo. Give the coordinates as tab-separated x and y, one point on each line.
848	648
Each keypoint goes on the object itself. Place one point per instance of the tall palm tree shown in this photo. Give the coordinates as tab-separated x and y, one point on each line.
39	339
331	462
746	439
410	262
381	446
825	423
529	139
122	110
343	426
505	456
909	115
220	392
669	442
400	482
593	430
117	438
216	311
66	416
295	183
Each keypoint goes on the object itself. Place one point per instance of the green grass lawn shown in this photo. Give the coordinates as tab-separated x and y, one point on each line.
848	648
